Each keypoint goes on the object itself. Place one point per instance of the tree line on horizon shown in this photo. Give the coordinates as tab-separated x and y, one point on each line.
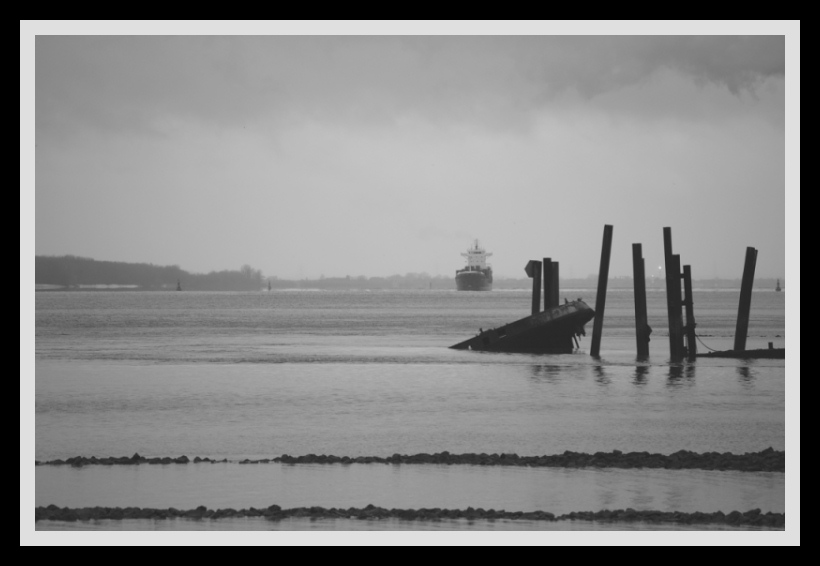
73	271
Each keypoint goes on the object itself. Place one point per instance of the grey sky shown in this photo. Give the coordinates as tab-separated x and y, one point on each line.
375	155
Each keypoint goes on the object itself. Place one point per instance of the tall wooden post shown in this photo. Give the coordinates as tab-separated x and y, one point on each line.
641	323
673	297
691	345
548	282
600	298
677	309
533	270
742	328
667	260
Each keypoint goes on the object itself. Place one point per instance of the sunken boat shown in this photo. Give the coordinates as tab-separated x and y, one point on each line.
555	330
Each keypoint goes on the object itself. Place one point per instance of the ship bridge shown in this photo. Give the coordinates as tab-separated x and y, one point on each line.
476	257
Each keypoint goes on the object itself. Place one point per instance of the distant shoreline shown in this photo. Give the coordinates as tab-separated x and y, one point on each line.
77	273
307	287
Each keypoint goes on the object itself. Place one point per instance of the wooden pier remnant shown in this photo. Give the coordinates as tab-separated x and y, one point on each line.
600	298
677	301
691	345
741	331
667	253
745	304
770	353
548	281
533	270
673	297
642	329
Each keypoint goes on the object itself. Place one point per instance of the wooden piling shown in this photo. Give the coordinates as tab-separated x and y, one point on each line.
548	282
667	260
673	297
533	270
600	298
554	300
691	345
641	323
676	322
745	299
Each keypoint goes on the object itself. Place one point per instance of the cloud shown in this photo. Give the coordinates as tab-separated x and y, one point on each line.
138	83
599	64
389	154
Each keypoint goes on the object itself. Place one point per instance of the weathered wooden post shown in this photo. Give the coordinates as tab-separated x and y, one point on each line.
673	300
533	270
745	299
667	258
691	346
548	283
641	324
677	307
600	298
555	301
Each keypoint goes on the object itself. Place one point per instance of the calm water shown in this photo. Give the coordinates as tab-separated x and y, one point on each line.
256	375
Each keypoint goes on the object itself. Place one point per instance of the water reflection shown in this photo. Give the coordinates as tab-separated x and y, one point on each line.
601	378
746	375
675	371
547	372
640	375
681	375
412	486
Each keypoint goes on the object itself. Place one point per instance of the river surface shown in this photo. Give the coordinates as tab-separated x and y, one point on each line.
359	373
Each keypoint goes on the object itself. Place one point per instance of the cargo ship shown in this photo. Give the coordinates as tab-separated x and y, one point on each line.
476	275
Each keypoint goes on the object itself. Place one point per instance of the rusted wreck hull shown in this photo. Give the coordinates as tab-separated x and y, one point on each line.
548	332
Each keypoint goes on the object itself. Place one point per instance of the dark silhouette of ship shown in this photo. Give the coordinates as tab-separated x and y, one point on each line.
476	275
778	286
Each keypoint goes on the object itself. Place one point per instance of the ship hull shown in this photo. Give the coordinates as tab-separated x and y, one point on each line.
473	281
548	332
